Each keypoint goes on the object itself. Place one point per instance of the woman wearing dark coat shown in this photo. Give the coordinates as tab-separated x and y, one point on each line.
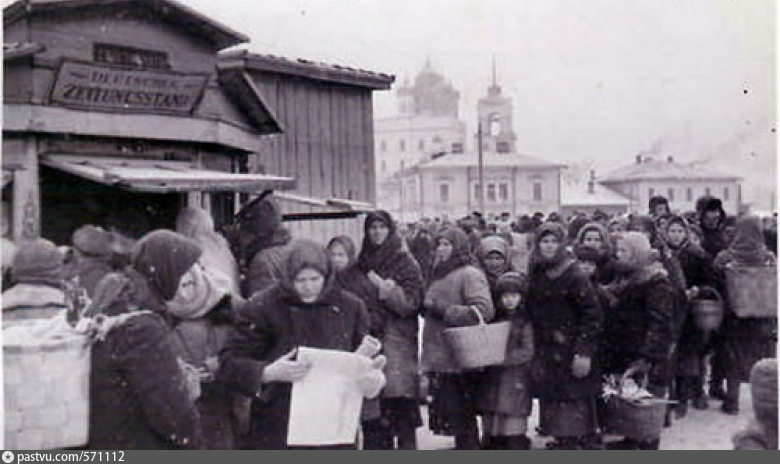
139	397
693	343
744	340
567	323
457	290
395	295
595	235
304	309
639	330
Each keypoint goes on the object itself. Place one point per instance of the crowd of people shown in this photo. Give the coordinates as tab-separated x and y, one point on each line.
200	348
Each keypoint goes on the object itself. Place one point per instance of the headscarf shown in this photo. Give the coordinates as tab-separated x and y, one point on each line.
493	244
749	246
377	257
38	262
642	262
306	254
679	220
576	225
197	224
606	243
461	252
163	257
763	386
561	256
349	248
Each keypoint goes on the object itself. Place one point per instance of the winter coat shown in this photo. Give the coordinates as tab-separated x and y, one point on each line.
456	295
270	325
265	269
641	325
32	301
567	321
138	397
507	389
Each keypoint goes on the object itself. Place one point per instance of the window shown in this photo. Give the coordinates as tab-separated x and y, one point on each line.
402	145
726	193
707	191
502	147
670	194
503	192
421	145
382	146
689	194
444	193
457	148
477	191
651	192
130	56
437	139
491	192
537	191
403	164
384	166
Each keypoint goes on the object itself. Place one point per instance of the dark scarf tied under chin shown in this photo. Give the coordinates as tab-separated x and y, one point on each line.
460	256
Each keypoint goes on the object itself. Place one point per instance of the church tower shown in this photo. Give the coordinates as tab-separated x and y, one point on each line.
495	116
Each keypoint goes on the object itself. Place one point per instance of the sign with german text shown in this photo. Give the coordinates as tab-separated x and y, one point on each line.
101	87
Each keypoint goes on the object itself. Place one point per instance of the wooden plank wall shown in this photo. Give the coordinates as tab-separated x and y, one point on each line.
327	146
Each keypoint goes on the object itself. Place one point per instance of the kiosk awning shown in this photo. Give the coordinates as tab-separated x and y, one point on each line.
157	176
324	208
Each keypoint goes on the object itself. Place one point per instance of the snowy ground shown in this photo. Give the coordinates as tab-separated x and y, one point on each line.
700	430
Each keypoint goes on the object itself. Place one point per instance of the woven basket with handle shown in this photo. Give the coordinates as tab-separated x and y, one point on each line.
642	420
479	345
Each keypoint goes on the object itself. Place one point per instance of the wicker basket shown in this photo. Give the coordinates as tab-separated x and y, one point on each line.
708	314
639	421
479	345
47	394
752	290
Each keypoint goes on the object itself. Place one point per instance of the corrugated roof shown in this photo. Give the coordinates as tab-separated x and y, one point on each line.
579	195
174	12
664	170
311	69
490	160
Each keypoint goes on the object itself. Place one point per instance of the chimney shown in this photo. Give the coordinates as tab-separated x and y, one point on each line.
592	182
638	159
670	159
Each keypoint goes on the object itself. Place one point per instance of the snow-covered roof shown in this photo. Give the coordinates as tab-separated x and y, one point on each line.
490	160
580	195
658	169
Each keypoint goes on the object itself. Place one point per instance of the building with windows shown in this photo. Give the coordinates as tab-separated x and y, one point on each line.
681	183
426	125
449	185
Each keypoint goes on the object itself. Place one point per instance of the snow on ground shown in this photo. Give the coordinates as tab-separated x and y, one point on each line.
699	430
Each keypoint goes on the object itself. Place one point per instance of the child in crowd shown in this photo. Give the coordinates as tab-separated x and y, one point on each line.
505	399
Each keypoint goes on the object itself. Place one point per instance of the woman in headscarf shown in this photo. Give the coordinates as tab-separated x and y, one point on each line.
693	342
92	257
396	294
594	235
567	323
494	258
304	309
617	226
744	340
457	290
139	395
217	258
639	331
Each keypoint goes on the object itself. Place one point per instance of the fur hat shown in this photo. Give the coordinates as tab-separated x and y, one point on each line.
763	385
511	282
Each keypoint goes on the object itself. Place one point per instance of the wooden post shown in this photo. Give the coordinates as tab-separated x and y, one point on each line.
27	195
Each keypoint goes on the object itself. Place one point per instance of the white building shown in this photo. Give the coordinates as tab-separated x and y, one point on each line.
682	184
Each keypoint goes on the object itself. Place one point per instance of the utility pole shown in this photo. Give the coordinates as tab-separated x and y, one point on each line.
480	167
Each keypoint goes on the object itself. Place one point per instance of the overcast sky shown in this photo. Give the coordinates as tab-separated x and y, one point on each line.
592	80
